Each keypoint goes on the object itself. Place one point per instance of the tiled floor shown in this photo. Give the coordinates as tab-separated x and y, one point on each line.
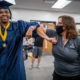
44	72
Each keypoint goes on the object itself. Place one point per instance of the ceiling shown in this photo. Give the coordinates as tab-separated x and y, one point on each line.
73	7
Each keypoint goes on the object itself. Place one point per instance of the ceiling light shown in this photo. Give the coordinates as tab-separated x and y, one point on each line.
61	4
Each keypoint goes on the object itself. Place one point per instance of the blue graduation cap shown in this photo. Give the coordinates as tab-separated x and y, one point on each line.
5	4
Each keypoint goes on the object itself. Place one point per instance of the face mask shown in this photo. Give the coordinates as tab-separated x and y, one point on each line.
59	29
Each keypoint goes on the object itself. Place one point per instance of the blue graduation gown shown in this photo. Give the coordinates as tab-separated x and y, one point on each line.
11	57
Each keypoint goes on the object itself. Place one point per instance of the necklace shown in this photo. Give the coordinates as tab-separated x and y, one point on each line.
5	34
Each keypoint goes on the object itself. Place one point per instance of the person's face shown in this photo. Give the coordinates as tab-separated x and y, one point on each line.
4	15
60	23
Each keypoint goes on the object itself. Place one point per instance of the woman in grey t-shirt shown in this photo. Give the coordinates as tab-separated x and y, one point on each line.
66	51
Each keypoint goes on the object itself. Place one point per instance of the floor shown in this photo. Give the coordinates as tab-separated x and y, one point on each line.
44	72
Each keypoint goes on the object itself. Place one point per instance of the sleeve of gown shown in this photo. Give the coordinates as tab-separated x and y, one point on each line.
23	26
34	34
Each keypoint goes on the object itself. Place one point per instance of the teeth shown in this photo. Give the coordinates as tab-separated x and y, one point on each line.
4	17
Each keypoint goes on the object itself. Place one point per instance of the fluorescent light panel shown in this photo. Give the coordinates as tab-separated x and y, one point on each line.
61	4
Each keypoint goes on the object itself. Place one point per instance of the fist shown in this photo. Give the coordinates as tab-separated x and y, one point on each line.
29	33
52	40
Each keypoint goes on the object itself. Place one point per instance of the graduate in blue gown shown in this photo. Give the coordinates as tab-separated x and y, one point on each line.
11	38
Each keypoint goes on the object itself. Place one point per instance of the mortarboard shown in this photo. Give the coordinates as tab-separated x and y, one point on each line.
5	5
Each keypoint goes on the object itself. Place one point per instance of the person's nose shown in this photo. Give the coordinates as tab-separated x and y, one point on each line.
4	13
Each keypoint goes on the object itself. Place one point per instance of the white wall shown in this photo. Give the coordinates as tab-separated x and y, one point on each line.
28	15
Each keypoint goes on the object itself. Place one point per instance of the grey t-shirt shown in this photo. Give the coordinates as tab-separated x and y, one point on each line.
67	61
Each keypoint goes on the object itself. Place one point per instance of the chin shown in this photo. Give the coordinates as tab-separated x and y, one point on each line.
5	21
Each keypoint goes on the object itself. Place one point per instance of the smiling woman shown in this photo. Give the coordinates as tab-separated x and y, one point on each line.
4	15
11	39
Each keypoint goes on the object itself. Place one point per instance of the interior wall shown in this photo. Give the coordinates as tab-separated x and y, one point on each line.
27	15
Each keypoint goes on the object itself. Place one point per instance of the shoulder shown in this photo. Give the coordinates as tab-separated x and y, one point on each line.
28	23
17	21
16	24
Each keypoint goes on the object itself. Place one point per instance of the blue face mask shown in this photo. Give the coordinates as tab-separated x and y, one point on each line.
59	29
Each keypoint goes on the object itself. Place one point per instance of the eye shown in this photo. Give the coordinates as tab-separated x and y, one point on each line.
1	12
6	12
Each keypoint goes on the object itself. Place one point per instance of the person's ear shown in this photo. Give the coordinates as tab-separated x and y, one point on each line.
10	15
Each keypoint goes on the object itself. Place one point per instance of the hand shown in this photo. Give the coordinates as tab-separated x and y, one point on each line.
52	40
29	33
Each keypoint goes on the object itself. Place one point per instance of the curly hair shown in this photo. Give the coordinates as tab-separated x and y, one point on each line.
70	25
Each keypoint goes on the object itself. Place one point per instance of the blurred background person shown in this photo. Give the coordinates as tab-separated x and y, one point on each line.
37	50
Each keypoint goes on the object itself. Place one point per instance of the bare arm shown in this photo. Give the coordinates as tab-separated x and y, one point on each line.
29	33
42	32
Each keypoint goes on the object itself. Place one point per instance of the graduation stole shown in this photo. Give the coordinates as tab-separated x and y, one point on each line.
5	32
